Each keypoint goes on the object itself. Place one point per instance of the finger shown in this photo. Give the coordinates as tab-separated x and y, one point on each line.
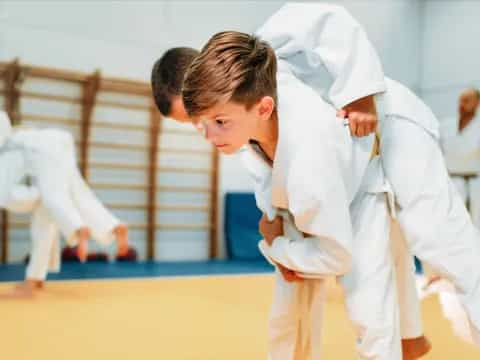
371	128
369	124
297	278
286	273
293	277
352	123
341	113
360	130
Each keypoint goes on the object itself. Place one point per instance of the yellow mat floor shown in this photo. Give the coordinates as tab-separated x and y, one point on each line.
203	318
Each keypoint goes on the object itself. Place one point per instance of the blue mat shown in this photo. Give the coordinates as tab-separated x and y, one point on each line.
241	226
92	270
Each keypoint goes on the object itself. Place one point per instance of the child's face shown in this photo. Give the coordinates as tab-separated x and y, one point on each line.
229	126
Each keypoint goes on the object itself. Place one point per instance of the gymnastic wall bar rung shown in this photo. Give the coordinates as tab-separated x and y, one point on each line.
73	100
114	84
118	126
133	147
70	121
117	85
109	103
59	98
49	119
185	151
19	224
107	145
165	169
165	208
165	188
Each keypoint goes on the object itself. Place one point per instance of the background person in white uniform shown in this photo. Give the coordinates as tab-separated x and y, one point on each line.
58	197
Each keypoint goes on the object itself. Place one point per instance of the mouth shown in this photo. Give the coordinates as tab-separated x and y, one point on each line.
219	146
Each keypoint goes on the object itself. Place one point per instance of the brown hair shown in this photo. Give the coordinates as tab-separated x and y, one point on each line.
232	66
167	76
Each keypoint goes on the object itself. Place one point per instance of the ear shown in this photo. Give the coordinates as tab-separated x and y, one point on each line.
265	107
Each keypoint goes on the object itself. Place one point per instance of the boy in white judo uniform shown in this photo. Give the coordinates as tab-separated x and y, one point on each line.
167	80
60	199
333	200
328	50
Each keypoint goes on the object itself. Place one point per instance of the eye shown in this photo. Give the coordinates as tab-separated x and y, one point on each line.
220	122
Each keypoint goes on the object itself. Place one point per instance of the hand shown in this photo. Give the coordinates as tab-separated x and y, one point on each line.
270	229
289	275
362	116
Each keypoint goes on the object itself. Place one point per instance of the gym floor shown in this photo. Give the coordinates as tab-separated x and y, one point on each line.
208	317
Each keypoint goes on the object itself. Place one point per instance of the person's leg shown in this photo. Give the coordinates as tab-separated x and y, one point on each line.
414	342
53	180
474	196
104	225
370	288
52	167
43	234
431	213
462	187
295	318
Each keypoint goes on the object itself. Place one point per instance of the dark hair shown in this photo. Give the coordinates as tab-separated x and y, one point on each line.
167	76
232	66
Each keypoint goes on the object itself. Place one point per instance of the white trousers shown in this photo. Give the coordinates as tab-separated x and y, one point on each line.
295	323
469	190
66	204
45	249
65	195
431	213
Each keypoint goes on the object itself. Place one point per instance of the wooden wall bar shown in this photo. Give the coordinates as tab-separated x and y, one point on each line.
98	92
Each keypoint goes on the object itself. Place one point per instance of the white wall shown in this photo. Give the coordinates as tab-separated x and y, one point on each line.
450	53
125	38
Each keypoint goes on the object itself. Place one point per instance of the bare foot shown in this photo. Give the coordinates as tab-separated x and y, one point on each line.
415	348
26	289
83	234
121	233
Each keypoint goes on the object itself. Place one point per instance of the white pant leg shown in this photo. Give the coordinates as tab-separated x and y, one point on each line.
45	238
295	322
53	179
461	186
101	221
432	215
408	300
55	254
370	288
474	196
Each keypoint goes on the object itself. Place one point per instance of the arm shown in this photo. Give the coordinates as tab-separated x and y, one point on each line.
321	241
311	35
326	36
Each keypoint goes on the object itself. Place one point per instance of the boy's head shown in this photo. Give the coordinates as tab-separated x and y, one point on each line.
468	102
167	80
231	89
